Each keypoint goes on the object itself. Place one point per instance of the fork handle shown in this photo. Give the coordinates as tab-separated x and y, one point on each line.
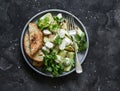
77	62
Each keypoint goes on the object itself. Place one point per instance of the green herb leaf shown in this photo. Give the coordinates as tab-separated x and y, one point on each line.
53	27
51	66
57	40
57	19
43	23
81	42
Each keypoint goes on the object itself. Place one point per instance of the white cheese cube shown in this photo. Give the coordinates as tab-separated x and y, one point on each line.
45	49
62	46
49	45
59	59
62	33
46	32
67	41
59	15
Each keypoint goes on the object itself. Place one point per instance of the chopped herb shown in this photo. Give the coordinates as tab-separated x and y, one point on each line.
53	27
57	40
43	23
51	66
81	42
57	19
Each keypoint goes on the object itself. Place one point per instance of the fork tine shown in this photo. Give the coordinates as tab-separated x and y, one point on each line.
71	23
68	23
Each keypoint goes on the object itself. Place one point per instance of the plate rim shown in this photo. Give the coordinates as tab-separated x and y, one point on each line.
24	29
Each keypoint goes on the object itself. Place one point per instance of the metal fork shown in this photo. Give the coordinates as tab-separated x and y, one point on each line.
72	32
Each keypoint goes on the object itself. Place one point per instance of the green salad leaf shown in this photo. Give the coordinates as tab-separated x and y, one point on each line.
57	40
53	27
51	66
57	19
81	42
43	23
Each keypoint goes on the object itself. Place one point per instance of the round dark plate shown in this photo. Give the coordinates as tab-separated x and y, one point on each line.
81	56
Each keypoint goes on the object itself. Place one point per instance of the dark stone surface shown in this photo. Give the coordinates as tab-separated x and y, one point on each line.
102	65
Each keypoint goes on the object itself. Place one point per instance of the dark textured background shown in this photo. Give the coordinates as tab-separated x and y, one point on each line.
102	64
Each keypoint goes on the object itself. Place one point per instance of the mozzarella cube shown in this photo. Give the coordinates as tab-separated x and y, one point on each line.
59	59
59	15
67	41
62	46
45	49
46	32
62	33
49	45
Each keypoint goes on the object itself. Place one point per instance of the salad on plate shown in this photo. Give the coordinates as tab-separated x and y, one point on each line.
50	46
